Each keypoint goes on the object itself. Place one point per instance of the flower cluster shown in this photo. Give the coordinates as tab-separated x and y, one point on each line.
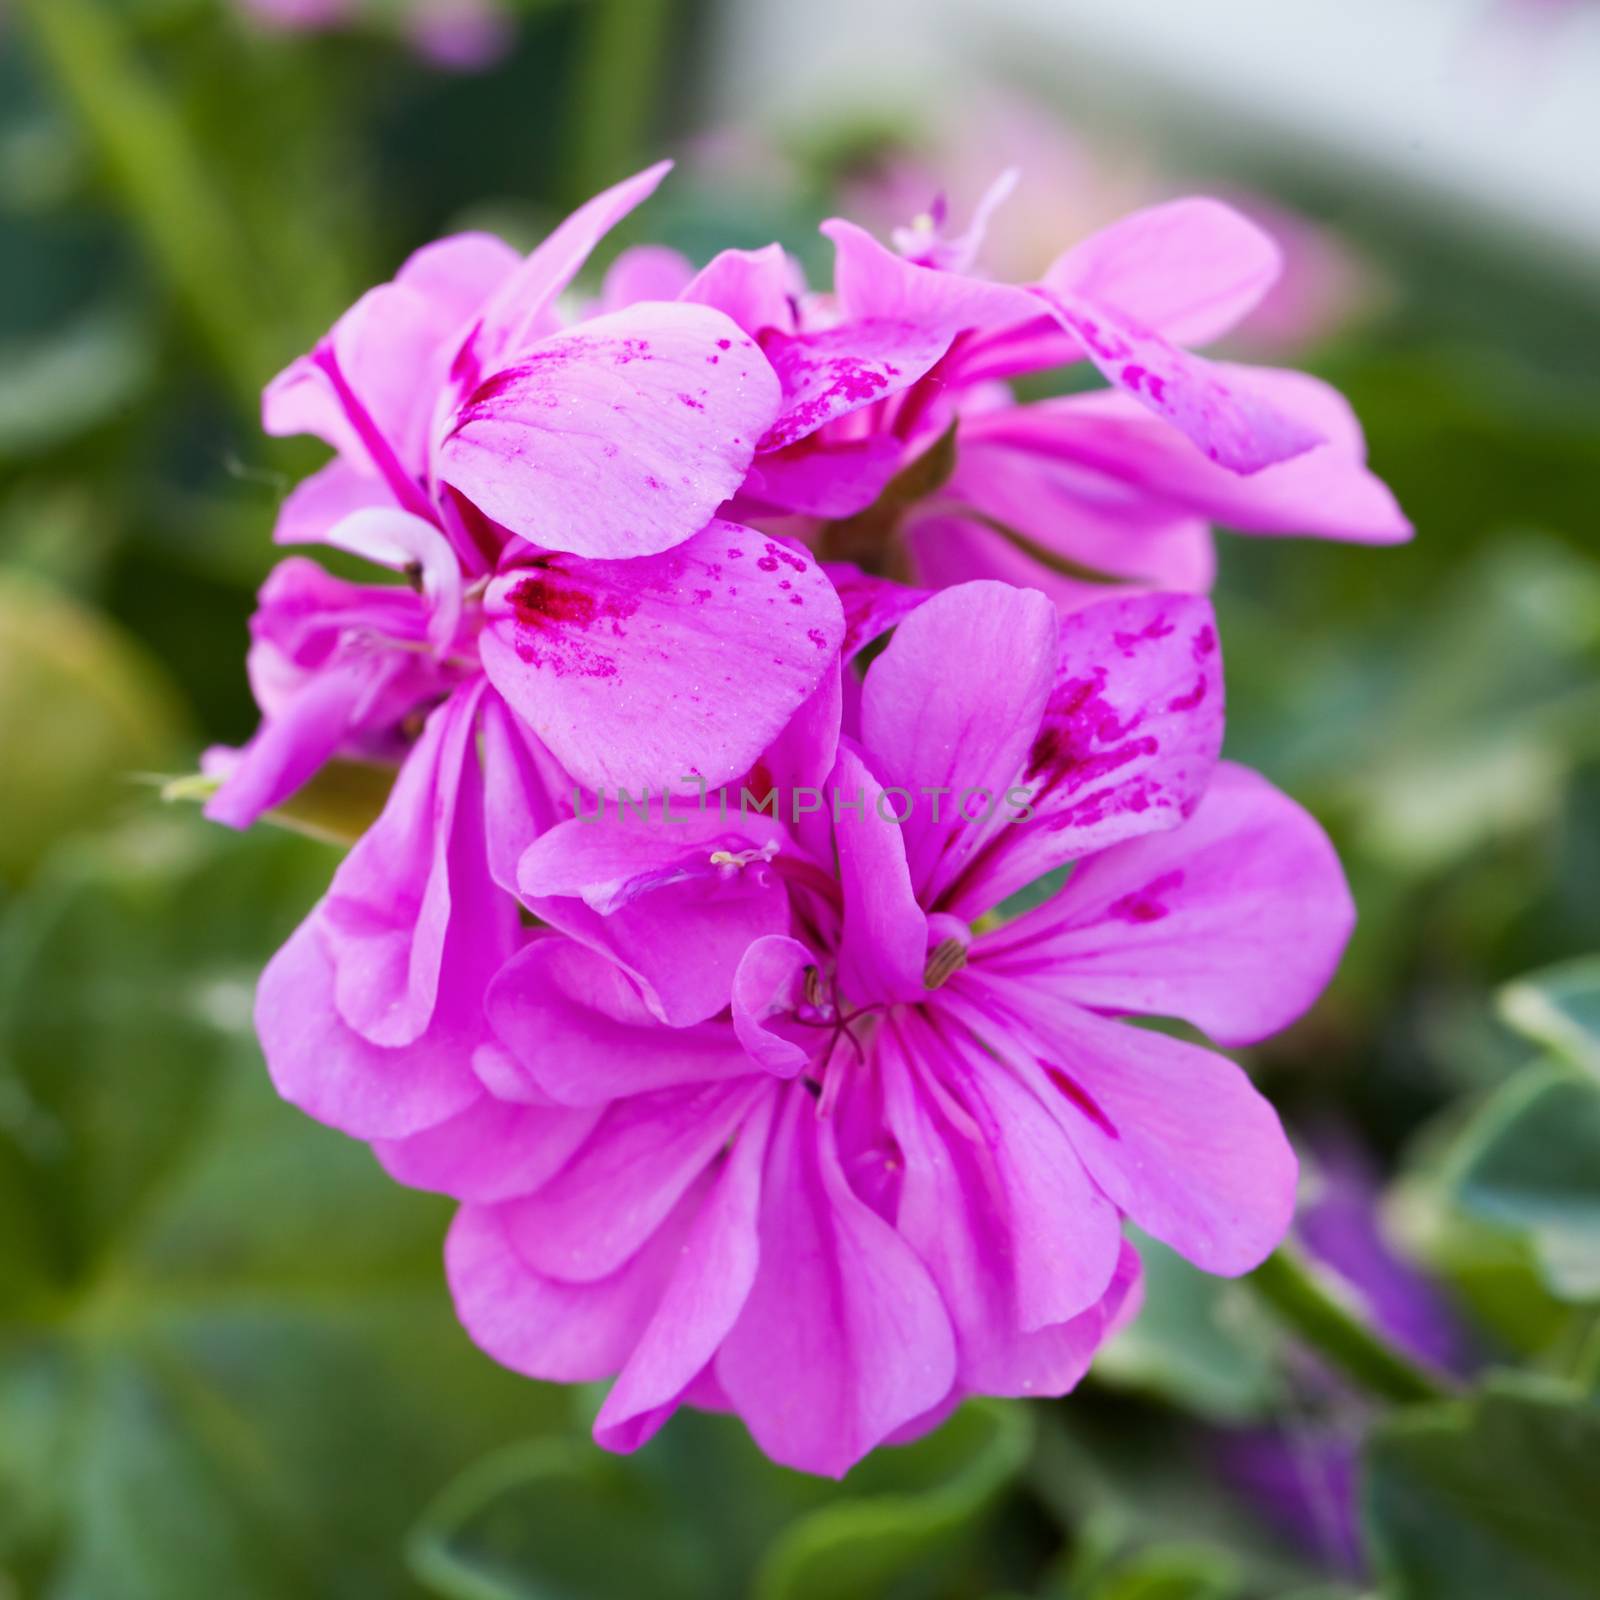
715	953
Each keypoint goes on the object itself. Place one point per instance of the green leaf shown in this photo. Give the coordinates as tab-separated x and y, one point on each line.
858	1547
1559	1008
1529	1163
558	1519
706	1516
1199	1341
82	709
1164	1572
228	1362
55	387
1487	1498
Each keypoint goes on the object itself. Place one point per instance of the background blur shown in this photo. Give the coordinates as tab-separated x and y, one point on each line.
228	1365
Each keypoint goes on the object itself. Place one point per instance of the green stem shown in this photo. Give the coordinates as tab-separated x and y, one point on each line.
1306	1301
152	162
615	89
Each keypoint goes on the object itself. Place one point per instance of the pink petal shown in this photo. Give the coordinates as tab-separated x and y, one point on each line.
959	738
618	437
645	272
1189	270
543	1328
1128	743
598	1211
330	1072
638	674
829	374
1234	921
947	551
389	537
617	857
870	281
872	605
959	1220
885	941
1326	492
701	1303
366	389
580	1031
664	901
1228	421
290	746
1176	1136
326	498
525	793
490	1151
415	891
843	1337
456	275
1093	520
768	986
754	287
812	479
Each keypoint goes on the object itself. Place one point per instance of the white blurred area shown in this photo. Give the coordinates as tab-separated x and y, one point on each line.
1487	112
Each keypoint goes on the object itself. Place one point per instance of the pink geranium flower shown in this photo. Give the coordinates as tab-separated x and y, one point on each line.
576	612
1122	482
780	1118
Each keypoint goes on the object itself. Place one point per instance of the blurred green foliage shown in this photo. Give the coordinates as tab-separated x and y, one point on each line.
227	1360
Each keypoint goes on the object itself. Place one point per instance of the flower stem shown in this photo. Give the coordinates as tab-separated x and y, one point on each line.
614	88
1306	1301
152	162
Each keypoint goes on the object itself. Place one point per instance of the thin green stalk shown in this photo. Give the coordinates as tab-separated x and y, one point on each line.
1308	1303
615	89
159	179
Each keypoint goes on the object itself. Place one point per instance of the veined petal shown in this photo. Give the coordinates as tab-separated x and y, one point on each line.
1176	1136
1189	270
950	711
675	904
754	287
702	1301
872	605
1230	423
643	674
829	374
323	1066
543	1327
949	550
870	281
415	890
492	1150
1234	921
525	793
1129	740
324	499
289	747
884	946
1012	476
646	1151
579	1029
843	1338
618	437
959	1219
813	479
